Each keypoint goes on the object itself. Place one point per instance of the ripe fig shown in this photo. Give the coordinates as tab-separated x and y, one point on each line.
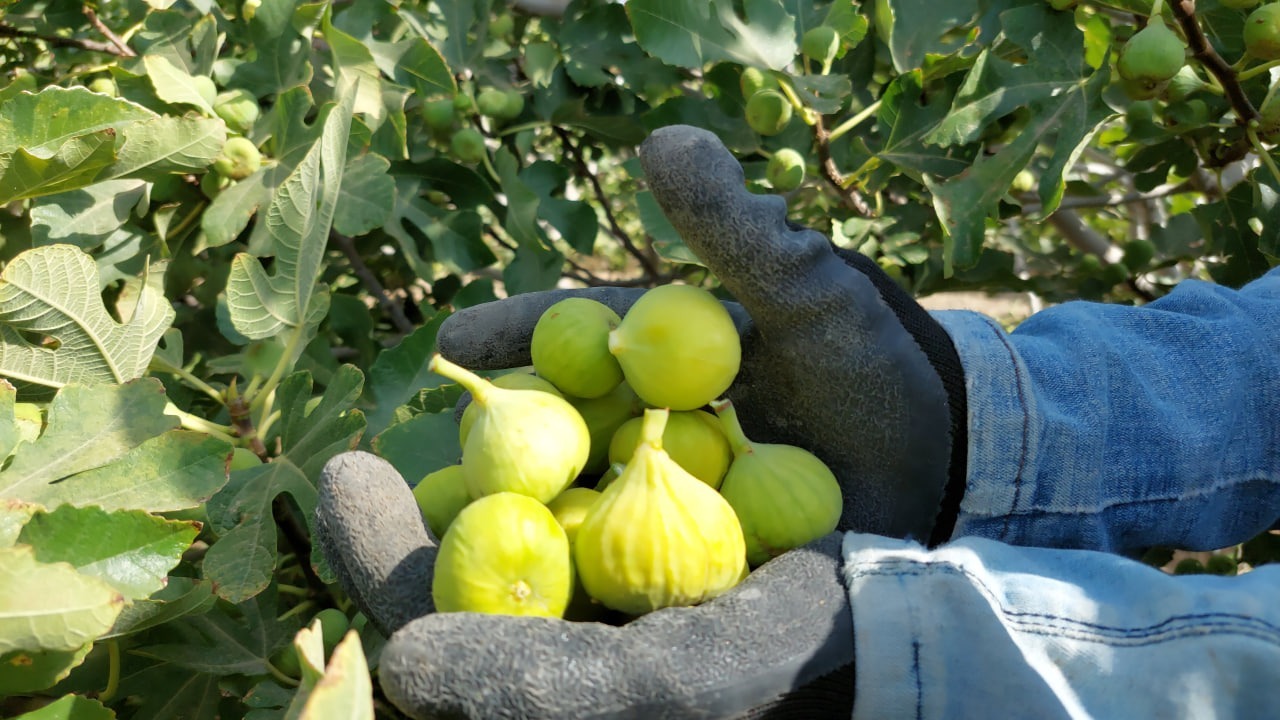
785	170
522	441
693	439
441	495
505	554
768	112
571	506
239	158
570	347
468	145
510	381
1152	56
820	44
658	537
678	347
1262	32
604	415
784	495
238	108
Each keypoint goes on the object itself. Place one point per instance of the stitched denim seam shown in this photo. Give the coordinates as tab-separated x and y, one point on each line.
1026	430
1178	497
1030	622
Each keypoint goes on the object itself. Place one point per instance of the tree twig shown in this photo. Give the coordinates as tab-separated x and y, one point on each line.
78	43
1185	12
831	173
121	46
371	283
575	154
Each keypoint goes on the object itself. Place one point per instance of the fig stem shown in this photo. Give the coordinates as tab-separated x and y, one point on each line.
655	421
732	428
476	385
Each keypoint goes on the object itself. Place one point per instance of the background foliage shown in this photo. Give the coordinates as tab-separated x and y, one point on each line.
164	326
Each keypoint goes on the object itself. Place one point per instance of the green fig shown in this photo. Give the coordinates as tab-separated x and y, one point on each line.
784	495
506	554
1152	56
104	86
492	103
820	44
570	347
692	438
205	88
523	441
441	495
678	347
753	80
510	381
604	415
1262	32
468	145
243	459
571	506
1138	254
768	112
333	625
657	536
238	108
439	114
239	158
785	170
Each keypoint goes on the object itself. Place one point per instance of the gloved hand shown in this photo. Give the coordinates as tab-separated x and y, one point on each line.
836	358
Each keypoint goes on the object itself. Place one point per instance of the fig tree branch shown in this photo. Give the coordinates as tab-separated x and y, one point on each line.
575	155
121	46
71	42
362	271
831	173
1185	12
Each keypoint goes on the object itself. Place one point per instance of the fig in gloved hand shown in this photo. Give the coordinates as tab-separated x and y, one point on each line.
835	358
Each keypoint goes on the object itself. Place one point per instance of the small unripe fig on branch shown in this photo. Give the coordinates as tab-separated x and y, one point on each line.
1262	32
1152	56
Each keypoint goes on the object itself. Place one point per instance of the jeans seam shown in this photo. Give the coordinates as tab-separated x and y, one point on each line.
1047	624
1023	451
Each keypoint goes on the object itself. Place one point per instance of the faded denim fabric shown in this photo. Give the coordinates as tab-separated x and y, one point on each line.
1092	427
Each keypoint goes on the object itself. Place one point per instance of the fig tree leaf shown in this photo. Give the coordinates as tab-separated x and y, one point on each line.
176	470
27	671
52	292
229	212
88	427
173	84
358	74
10	433
399	372
345	690
84	217
75	163
241	563
167	144
420	445
225	643
915	29
414	63
368	196
298	220
70	707
14	514
187	695
692	35
43	122
180	597
905	117
51	606
131	550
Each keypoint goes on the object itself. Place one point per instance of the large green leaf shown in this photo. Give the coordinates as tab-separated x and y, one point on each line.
241	563
131	550
345	691
298	220
70	707
52	292
693	34
174	84
51	606
399	372
26	671
224	643
88	427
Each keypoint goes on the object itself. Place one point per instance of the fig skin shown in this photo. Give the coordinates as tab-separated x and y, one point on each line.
604	415
783	495
678	347
523	441
785	170
441	495
820	44
570	348
1153	56
510	381
657	536
1262	32
692	438
505	554
768	112
570	508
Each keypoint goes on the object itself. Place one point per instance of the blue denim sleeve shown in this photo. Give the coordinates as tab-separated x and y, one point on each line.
1118	428
981	629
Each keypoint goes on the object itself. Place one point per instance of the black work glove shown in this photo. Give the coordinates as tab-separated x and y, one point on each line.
836	359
